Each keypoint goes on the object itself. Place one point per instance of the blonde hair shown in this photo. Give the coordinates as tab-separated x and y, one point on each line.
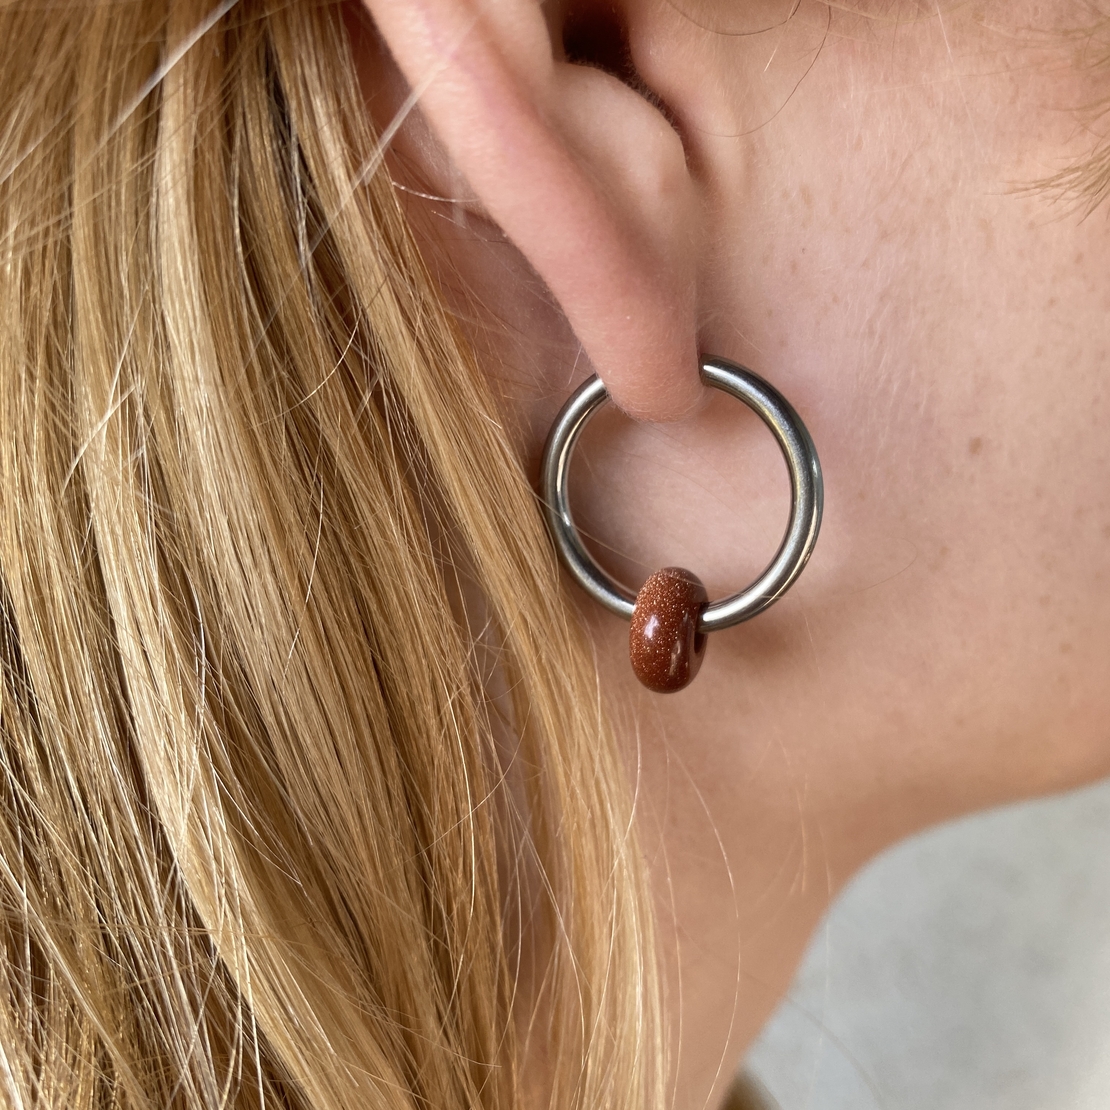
307	798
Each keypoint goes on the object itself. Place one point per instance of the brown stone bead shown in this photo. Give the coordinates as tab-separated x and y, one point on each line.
664	644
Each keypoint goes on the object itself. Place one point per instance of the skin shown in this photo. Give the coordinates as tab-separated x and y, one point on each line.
851	221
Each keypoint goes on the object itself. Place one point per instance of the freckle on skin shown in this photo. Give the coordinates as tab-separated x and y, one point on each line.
975	445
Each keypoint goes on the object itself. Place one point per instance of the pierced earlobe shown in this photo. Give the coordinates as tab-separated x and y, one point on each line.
671	596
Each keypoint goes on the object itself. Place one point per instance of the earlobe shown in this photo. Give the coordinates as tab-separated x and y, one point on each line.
583	174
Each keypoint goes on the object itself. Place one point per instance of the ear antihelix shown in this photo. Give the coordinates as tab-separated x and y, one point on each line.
584	175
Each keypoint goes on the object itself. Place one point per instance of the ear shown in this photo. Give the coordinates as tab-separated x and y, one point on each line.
582	173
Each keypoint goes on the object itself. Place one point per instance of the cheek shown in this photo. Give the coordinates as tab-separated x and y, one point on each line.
946	334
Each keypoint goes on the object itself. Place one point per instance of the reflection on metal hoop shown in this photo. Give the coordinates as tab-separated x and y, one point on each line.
806	496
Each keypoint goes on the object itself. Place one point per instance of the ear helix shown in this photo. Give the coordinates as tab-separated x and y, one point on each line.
671	615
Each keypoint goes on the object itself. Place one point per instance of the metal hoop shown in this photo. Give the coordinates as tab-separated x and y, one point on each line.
806	496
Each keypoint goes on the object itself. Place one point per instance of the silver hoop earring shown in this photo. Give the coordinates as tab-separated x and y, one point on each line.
671	615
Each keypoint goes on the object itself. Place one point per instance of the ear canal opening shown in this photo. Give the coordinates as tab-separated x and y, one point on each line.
595	33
